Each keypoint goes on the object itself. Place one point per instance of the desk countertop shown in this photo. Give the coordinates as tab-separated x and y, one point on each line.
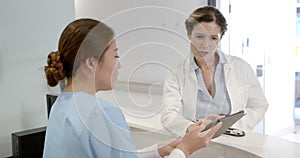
254	143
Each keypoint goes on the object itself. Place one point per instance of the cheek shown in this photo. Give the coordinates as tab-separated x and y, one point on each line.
214	43
194	49
107	71
111	71
195	42
203	42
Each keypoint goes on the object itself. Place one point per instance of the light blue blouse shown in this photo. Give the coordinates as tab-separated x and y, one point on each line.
84	126
206	104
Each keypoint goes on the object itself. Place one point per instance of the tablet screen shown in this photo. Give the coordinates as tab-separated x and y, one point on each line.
228	121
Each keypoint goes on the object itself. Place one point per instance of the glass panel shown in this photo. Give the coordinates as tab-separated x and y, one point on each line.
298	24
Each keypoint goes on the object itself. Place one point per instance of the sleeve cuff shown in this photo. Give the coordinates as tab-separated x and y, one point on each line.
177	153
149	152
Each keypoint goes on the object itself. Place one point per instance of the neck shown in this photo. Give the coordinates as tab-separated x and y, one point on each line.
79	86
207	63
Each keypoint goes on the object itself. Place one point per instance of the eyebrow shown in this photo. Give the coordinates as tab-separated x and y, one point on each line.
205	34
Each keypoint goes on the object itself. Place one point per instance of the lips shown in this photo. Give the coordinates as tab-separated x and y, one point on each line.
116	76
203	53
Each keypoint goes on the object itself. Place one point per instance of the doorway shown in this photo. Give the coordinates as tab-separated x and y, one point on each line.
257	34
240	39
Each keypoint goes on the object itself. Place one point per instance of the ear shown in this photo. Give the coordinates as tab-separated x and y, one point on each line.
221	36
91	63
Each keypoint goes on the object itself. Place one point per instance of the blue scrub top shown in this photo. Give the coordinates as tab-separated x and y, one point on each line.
82	125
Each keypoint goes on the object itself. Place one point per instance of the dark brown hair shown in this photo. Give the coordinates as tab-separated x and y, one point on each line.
206	14
80	40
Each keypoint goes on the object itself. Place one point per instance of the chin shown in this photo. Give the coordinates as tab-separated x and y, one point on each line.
112	86
105	88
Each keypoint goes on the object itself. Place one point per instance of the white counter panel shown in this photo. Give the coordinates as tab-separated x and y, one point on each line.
146	132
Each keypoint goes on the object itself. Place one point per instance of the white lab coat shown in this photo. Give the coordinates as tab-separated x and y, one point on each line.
181	88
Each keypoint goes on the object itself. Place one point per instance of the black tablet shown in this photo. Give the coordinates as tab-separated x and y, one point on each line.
228	121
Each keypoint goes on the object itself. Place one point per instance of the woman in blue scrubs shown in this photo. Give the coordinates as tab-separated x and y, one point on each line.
82	125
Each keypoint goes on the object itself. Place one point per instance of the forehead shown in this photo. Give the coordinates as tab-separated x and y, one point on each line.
113	44
209	28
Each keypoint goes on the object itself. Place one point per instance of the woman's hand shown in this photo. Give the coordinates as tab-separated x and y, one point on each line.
195	139
204	122
213	117
165	148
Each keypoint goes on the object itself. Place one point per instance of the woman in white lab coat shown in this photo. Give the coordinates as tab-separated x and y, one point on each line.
82	125
210	82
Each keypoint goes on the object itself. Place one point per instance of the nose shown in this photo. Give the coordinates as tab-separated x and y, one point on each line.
204	45
207	43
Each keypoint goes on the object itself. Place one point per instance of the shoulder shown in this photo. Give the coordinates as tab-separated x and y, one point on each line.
236	61
231	58
106	104
181	67
239	66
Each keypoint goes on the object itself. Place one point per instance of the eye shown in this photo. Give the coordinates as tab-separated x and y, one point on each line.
200	36
215	38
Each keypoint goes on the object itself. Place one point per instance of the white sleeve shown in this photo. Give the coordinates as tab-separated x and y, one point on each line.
149	152
152	152
172	117
177	153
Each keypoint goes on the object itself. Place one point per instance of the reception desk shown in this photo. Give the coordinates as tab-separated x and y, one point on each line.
147	131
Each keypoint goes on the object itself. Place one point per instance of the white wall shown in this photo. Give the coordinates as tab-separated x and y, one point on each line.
272	36
149	33
29	30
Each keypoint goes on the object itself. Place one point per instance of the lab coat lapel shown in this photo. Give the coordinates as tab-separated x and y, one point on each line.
231	87
191	91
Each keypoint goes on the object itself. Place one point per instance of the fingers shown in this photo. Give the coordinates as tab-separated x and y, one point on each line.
204	123
196	139
221	116
211	132
213	116
194	126
199	122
